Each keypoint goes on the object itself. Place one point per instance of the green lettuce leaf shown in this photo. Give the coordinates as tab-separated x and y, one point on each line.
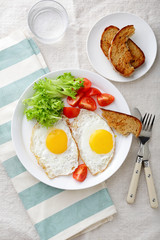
46	104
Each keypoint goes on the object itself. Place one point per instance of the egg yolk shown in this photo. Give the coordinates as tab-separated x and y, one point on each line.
101	141
56	141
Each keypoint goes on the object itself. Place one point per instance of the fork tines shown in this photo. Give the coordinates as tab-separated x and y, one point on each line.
147	121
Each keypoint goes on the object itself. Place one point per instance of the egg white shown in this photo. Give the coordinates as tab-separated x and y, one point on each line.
83	126
54	164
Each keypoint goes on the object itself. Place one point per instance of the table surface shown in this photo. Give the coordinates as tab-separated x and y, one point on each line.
138	221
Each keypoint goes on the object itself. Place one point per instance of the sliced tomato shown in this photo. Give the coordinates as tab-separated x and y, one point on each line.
74	102
80	173
88	103
92	92
87	84
71	112
105	99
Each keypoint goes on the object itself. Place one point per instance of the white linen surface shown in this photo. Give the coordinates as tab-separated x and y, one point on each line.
138	221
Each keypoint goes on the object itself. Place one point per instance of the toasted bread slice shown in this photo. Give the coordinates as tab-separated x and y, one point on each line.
119	53
122	123
137	54
106	39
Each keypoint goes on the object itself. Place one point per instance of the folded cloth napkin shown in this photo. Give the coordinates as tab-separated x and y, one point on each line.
55	213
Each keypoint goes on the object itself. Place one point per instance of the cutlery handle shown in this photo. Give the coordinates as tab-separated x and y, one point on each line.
150	185
134	181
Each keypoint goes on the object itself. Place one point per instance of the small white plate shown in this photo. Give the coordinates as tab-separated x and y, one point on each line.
21	134
144	37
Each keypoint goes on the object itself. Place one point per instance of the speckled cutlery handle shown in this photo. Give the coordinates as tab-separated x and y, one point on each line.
134	181
150	185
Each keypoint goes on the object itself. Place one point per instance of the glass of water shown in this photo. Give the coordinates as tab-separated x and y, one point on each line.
48	21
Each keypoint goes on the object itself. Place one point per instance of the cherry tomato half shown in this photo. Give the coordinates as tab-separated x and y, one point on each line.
87	84
105	99
80	173
71	112
88	103
74	102
92	92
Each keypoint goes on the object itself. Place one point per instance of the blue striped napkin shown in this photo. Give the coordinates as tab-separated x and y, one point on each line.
55	213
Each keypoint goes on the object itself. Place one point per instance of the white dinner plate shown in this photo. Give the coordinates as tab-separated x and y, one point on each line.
21	134
144	37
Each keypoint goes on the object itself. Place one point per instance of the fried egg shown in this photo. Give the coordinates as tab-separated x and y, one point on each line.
95	139
55	149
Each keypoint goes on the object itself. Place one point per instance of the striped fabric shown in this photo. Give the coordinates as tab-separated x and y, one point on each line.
20	64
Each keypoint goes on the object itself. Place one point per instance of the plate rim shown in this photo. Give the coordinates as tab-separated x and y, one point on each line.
31	171
125	80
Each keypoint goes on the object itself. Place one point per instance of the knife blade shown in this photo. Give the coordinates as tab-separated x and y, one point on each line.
137	114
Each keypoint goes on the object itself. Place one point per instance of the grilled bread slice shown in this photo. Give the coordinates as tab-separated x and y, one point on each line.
119	53
106	39
138	56
122	123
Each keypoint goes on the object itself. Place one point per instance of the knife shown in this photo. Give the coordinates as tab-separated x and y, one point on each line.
137	169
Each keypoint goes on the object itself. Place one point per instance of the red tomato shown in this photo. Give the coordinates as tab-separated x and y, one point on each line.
71	112
87	84
105	99
74	102
92	92
80	173
88	103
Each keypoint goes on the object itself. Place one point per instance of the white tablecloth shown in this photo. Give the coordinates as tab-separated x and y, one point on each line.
138	221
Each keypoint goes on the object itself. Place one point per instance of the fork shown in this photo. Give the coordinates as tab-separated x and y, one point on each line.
147	124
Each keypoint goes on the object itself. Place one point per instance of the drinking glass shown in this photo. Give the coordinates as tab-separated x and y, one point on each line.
48	21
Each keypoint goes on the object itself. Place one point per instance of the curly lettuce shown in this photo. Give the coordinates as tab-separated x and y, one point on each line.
46	104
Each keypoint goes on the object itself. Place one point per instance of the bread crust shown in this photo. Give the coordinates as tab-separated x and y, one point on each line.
119	53
122	123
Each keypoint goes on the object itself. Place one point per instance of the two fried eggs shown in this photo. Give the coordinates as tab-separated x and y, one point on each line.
57	149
